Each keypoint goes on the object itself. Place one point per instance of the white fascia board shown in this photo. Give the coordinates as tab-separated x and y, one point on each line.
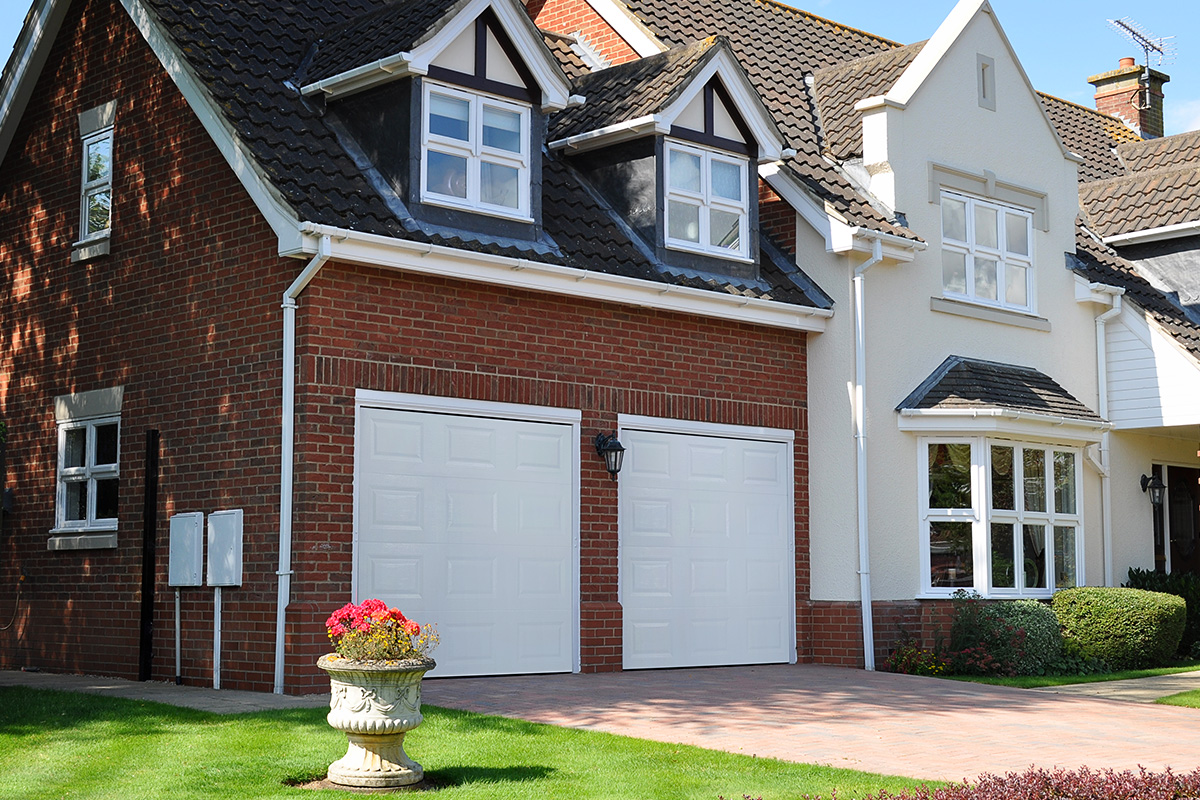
746	101
388	253
555	86
380	71
25	64
628	27
839	236
946	36
270	203
1026	424
612	134
1163	233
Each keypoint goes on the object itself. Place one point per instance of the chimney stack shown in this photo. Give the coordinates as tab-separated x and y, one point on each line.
1134	94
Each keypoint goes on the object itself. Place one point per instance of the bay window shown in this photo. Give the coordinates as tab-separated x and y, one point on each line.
1000	517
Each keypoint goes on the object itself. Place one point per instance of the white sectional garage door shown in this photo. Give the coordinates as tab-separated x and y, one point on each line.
707	560
469	522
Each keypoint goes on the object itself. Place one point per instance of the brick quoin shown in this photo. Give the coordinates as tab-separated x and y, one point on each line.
577	17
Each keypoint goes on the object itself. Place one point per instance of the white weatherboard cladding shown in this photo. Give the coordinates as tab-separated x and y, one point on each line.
706	550
469	522
1152	381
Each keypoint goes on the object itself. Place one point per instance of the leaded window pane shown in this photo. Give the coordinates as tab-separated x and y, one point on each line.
99	210
99	159
950	554
76	500
75	446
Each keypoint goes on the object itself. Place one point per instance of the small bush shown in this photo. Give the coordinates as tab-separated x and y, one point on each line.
1125	628
1181	584
1043	645
1060	784
982	642
909	658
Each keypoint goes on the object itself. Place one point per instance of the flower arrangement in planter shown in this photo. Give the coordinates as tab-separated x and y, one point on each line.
375	691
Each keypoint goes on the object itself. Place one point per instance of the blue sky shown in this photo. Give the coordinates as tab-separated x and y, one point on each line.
1060	42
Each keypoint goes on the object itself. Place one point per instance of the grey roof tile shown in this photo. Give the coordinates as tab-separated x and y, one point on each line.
962	383
1162	153
1145	200
1090	134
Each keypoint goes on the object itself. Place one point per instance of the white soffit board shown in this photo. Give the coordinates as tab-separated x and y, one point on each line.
470	522
706	549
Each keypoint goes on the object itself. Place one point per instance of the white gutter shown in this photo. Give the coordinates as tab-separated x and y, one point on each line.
612	134
287	448
385	252
1154	234
1105	454
383	69
1003	413
860	440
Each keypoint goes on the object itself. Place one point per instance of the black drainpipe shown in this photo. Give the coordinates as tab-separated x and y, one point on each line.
149	532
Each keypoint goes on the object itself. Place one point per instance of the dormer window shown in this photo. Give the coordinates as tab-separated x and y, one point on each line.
475	152
987	255
707	208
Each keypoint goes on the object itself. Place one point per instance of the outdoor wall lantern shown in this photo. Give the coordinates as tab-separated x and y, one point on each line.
1155	486
611	450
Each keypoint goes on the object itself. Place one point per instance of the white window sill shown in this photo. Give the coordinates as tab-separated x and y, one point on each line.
965	308
92	247
1043	595
490	211
723	255
91	539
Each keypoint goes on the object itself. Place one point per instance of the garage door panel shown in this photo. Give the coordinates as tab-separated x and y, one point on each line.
469	522
706	552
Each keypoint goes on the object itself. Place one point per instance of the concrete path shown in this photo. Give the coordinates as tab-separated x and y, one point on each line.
1137	690
878	722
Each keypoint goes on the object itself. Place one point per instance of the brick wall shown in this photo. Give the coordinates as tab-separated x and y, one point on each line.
777	218
836	627
184	314
576	16
448	338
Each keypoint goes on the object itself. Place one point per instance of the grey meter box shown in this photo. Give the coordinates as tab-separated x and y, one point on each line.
186	555
225	548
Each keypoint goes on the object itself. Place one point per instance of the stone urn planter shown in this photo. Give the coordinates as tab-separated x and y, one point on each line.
375	703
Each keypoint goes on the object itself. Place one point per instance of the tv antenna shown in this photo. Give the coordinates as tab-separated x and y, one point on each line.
1162	47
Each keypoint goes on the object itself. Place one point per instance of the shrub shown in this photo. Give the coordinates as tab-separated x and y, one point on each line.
1043	644
1060	784
982	642
1181	584
909	658
1125	628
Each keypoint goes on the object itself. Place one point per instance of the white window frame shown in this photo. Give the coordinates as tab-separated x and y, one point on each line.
1003	257
89	472
476	154
981	515
707	201
94	187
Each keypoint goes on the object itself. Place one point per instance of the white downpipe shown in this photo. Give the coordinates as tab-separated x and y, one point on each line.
287	449
216	637
1106	437
860	440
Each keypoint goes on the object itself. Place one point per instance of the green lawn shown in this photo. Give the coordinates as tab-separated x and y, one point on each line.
58	745
1187	699
1036	681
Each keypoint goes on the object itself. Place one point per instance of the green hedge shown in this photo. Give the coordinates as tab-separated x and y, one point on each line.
1125	628
1181	584
1043	645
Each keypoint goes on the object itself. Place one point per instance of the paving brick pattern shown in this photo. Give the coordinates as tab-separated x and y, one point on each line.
878	722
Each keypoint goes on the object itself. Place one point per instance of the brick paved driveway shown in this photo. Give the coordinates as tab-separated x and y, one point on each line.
879	722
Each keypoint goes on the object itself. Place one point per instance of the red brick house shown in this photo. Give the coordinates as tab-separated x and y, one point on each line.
479	271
